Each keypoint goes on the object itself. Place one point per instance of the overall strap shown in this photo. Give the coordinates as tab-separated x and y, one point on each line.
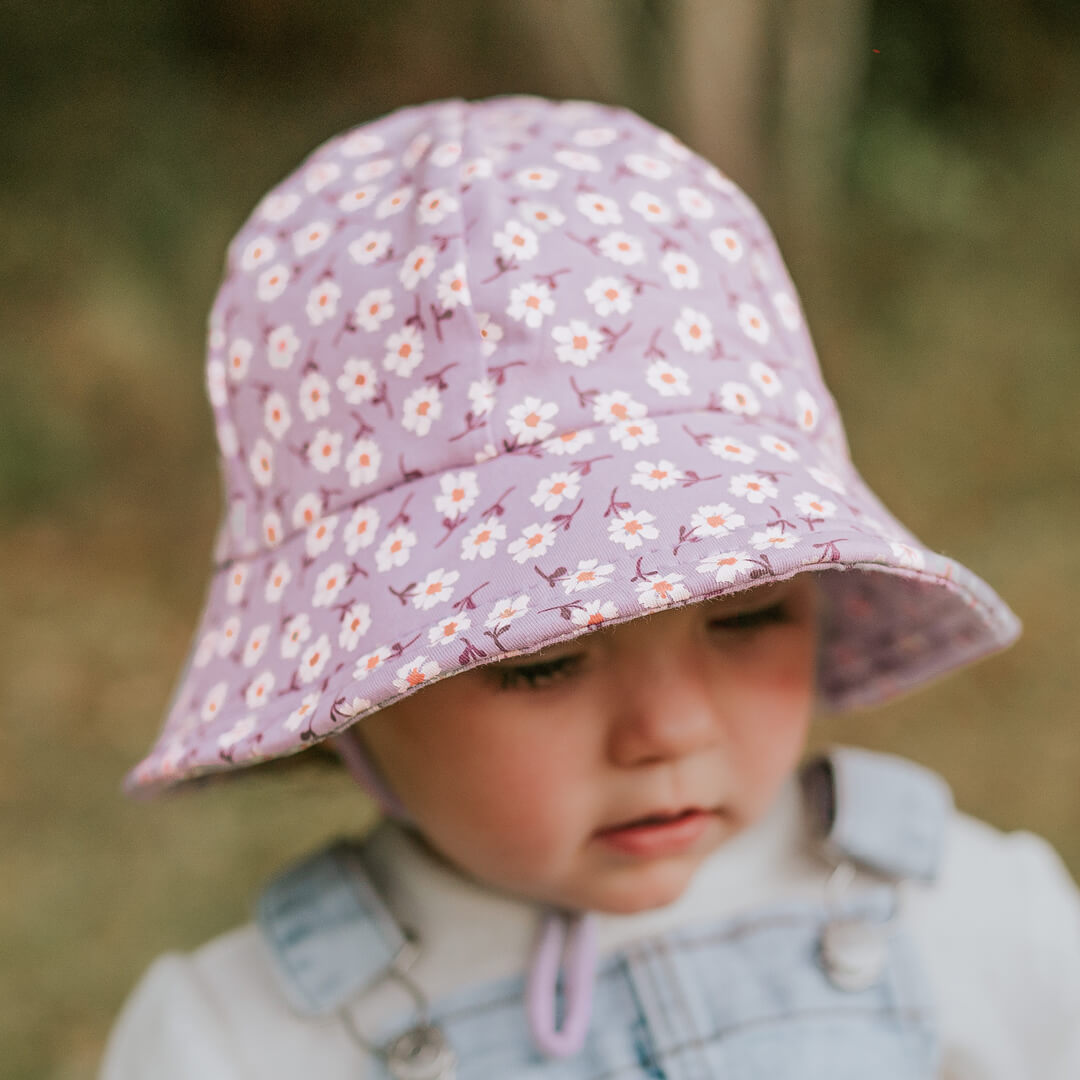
881	811
328	934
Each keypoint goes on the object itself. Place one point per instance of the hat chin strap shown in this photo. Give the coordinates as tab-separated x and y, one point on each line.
572	932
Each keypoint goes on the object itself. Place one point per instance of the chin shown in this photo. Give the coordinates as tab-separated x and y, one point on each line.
642	889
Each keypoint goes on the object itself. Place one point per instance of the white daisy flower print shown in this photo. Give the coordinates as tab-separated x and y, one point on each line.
568	442
239	359
358	199
731	449
360	529
228	636
261	462
322	302
448	629
421	408
738	398
393	203
446	154
436	587
328	584
774	537
618	405
433	206
719	180
765	379
661	590
320	174
256	644
227	439
482	539
505	610
281	346
313	660
324	451
369	246
540	216
362	462
482	396
599	209
206	649
578	343
314	396
682	272
752	488
646	165
753	322
578	160
609	296
415	673
246	725
694	331
727	566
279	207
453	290
788	309
515	241
373	309
812	504
908	555
306	510
395	549
481	168
630	527
553	489
280	575
717	519
213	701
534	541
622	248
297	631
361	144
320	535
828	479
311	237
727	242
215	383
650	207
594	137
358	381
370	662
529	420
589	574
416	150
530	303
485	453
404	351
695	204
631	434
416	266
807	411
593	613
780	447
667	380
257	253
302	711
537	178
372	170
272	281
656	476
458	492
490	332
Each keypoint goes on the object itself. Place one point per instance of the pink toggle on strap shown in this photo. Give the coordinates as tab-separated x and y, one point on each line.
578	932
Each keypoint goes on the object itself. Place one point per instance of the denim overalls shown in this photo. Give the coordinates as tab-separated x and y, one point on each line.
830	988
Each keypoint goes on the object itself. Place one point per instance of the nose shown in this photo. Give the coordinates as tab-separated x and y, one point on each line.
663	709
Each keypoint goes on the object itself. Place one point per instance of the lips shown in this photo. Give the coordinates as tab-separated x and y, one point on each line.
659	818
663	833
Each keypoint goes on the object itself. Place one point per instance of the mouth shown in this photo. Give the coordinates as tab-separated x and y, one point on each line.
660	833
661	817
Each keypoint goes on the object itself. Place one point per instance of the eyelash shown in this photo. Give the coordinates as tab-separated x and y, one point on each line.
543	674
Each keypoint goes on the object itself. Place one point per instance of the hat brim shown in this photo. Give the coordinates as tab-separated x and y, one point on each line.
273	670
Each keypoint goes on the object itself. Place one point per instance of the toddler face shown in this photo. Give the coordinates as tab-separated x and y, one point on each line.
598	773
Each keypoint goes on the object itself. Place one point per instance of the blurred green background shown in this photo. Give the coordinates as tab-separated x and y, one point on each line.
918	160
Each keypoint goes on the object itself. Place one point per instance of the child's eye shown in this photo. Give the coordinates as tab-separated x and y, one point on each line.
752	620
537	675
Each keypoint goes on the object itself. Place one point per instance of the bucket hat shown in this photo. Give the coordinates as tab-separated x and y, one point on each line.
489	375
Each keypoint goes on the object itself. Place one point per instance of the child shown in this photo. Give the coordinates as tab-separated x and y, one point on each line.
520	392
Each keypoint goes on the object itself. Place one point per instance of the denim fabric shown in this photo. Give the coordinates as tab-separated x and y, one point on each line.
748	997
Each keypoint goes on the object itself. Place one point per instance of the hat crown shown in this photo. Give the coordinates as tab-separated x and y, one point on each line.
457	281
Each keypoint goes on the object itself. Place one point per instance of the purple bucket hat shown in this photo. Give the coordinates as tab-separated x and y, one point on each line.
489	375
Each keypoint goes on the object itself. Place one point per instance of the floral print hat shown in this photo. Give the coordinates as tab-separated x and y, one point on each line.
488	375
